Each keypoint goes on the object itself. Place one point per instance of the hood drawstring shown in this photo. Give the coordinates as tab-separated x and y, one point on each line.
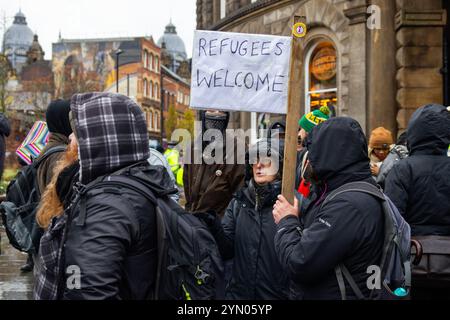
322	196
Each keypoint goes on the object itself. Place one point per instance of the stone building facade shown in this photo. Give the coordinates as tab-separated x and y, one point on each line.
374	60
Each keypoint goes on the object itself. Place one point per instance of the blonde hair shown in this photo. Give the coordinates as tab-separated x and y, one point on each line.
50	205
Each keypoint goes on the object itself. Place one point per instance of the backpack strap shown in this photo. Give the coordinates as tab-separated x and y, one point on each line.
35	165
48	153
341	270
359	186
111	181
341	273
341	283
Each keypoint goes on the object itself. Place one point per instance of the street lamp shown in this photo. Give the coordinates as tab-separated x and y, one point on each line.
118	52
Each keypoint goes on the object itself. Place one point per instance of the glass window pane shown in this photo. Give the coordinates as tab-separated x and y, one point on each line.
322	67
323	99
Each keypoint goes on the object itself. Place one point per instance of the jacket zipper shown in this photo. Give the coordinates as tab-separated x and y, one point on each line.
258	252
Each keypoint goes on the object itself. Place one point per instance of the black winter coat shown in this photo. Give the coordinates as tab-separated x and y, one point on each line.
5	130
348	229
247	235
420	184
116	247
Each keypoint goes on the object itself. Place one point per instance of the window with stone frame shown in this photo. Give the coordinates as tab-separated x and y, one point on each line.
156	64
149	120
156	91
151	62
145	58
156	121
145	87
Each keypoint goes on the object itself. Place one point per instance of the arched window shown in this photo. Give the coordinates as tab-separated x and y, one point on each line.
151	61
150	122
321	77
145	85
156	119
157	64
156	91
145	59
151	89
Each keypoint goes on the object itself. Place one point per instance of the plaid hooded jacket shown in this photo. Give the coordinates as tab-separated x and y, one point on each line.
111	132
117	228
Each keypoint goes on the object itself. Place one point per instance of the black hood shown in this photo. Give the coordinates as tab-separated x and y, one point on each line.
429	130
57	117
5	128
338	152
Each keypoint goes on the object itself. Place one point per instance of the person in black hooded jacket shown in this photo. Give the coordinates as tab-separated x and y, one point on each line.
111	239
348	229
247	230
5	130
420	184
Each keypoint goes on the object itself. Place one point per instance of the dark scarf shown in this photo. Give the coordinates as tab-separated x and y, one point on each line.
264	195
213	121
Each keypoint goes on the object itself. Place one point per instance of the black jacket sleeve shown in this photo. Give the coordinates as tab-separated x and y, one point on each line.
396	186
99	248
310	255
224	232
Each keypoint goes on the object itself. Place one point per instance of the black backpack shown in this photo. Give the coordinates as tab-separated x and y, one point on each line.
18	211
395	264
189	265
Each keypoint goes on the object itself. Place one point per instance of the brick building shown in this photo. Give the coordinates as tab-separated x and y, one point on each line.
176	91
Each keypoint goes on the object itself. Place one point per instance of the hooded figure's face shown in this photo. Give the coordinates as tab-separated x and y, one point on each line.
301	138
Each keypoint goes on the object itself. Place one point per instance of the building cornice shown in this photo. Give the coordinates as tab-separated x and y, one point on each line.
357	14
423	18
252	9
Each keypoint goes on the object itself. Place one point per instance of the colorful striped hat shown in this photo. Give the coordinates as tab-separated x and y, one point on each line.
314	118
34	142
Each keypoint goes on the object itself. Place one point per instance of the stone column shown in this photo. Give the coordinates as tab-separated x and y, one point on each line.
199	14
357	79
207	13
382	107
419	35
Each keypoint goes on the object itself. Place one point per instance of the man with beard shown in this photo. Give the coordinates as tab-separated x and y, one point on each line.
209	187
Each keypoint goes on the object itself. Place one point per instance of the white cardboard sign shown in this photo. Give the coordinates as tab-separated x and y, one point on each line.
240	72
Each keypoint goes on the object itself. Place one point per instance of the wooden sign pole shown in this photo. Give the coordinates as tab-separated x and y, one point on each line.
293	109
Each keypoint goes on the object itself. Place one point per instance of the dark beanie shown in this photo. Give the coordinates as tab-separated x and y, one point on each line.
57	117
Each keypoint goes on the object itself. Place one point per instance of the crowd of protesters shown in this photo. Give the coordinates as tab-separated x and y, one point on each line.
271	248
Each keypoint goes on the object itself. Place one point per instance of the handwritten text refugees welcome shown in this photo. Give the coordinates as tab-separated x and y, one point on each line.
240	72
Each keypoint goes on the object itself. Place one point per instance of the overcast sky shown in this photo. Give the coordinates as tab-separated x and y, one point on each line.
102	18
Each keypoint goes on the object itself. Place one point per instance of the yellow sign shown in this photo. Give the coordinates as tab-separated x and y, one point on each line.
323	66
299	30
